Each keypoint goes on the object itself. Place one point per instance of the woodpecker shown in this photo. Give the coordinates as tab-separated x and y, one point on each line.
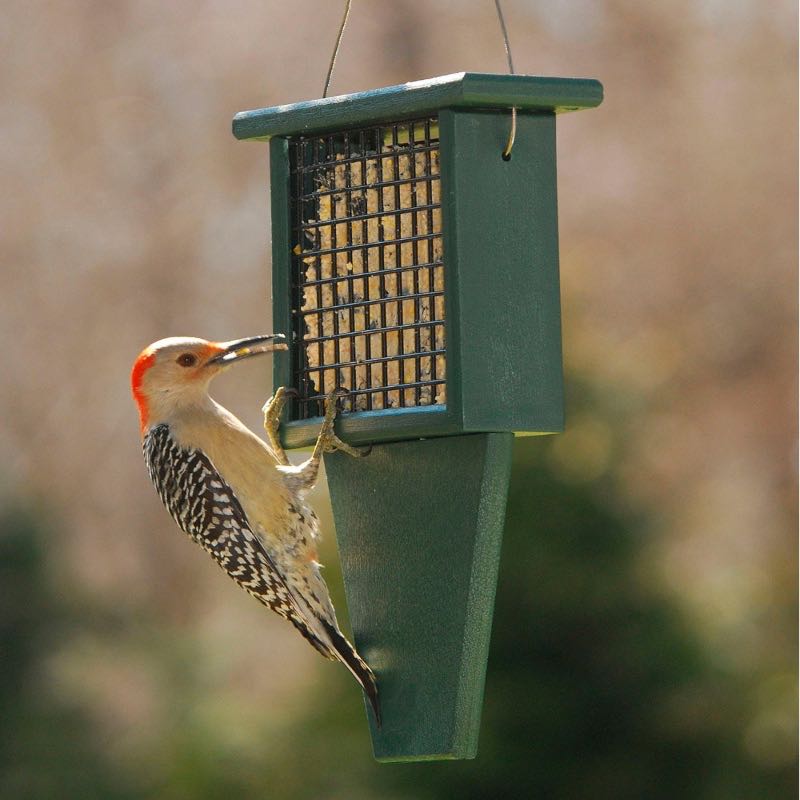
236	495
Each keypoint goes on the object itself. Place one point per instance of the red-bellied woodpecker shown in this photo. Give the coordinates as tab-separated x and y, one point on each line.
238	497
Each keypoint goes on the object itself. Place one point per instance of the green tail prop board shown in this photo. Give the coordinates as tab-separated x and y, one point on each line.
419	527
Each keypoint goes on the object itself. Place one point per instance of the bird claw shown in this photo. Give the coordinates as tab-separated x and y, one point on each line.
335	443
274	406
273	409
328	441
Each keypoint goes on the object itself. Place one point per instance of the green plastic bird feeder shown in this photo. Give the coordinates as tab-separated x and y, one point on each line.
416	267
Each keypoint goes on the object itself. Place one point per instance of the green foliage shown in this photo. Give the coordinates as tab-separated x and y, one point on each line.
596	688
47	750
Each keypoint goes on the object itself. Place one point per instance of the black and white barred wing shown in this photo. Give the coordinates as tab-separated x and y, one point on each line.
205	507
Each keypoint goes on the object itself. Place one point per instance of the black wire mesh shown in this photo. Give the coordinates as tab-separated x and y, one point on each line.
367	273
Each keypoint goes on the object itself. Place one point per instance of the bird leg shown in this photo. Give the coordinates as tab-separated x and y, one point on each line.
272	421
328	441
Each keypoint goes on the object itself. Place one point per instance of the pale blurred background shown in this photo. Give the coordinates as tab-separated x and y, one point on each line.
645	634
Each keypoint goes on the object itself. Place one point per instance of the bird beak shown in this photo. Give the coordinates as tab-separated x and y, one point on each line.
238	349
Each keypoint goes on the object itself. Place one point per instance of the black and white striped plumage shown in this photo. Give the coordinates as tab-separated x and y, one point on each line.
205	507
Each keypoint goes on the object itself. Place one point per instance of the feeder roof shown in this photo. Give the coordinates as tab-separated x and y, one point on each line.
461	90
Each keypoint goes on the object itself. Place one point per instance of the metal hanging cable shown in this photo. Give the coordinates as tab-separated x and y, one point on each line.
348	3
512	133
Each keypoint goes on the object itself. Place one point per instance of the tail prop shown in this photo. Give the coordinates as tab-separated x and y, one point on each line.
347	654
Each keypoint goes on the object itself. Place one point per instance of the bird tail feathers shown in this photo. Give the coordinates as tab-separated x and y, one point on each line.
346	653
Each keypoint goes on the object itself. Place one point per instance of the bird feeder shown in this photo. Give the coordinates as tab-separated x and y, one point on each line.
416	267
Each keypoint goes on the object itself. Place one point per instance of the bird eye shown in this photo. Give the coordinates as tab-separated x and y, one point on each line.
187	359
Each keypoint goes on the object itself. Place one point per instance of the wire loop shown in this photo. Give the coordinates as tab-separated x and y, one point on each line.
513	132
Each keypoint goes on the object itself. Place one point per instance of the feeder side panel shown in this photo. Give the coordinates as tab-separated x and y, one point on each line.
419	527
281	259
501	243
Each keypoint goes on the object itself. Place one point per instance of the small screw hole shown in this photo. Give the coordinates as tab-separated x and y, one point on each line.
506	156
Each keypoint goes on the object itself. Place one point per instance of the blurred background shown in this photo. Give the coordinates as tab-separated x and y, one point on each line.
645	635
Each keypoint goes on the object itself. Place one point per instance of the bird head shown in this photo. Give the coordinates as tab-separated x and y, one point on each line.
176	371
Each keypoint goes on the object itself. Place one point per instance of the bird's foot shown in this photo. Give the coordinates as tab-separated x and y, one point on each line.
328	441
273	409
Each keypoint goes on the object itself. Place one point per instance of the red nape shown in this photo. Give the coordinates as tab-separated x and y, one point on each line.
140	366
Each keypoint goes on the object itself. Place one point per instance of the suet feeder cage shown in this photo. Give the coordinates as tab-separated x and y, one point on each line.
416	267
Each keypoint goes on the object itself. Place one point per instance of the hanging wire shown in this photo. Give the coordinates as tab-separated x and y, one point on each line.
348	3
513	133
